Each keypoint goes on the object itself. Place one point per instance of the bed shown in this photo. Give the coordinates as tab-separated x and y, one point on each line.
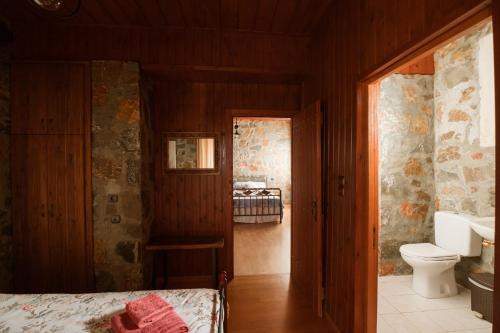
254	202
202	309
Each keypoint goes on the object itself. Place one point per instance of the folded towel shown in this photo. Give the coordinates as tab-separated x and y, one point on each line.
121	323
170	323
147	310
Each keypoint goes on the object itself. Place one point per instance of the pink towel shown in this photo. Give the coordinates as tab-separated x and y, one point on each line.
147	310
121	323
170	323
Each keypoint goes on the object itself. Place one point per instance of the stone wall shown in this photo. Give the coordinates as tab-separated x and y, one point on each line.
406	146
465	171
6	255
185	153
116	175
264	149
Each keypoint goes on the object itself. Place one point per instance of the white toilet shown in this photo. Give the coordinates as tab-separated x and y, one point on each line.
433	265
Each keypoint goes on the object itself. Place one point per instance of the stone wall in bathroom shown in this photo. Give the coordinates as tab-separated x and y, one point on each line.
116	175
465	171
406	146
263	148
6	255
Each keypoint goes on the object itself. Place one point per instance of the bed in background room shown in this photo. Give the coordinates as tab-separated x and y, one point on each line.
254	202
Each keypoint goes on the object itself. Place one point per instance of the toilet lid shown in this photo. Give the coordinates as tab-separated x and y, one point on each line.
427	251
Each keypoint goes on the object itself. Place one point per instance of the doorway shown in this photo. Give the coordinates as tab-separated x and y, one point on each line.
403	197
262	195
306	217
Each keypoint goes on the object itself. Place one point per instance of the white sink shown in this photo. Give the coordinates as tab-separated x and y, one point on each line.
484	227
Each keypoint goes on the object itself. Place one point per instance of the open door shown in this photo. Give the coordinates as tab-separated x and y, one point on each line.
306	271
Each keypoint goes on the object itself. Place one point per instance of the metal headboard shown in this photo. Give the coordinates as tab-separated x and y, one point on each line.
262	179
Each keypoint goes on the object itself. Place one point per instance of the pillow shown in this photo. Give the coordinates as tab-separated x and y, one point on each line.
258	184
248	192
241	185
265	192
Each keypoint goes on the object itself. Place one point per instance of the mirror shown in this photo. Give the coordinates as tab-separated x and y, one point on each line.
190	152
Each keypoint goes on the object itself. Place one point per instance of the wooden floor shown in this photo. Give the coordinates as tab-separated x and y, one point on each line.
262	248
268	304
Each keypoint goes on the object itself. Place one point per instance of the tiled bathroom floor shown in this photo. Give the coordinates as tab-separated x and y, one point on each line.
401	310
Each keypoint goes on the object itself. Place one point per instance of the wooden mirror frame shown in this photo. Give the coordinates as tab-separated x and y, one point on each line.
165	136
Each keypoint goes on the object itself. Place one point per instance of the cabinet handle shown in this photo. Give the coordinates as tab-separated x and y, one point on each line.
42	210
51	210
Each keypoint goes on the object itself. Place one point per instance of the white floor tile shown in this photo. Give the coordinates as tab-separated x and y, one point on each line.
457	319
407	303
461	300
395	288
383	326
400	323
395	278
423	322
384	307
400	309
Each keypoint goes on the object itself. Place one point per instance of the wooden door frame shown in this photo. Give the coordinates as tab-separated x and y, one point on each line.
366	172
227	159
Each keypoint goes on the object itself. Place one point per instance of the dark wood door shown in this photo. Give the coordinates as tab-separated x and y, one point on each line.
306	203
50	181
49	213
66	215
29	90
29	212
48	98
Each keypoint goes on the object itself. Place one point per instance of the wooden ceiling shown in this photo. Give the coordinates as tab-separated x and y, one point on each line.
293	17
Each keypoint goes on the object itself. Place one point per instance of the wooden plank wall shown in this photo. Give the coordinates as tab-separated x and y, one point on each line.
162	47
200	204
355	38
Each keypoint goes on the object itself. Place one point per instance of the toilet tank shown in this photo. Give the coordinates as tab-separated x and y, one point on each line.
453	232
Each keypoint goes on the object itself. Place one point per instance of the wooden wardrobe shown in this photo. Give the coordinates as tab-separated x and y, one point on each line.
50	163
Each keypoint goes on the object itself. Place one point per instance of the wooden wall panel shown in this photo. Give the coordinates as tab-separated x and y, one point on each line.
198	204
354	38
162	47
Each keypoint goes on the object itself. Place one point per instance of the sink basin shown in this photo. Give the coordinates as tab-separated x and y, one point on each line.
484	227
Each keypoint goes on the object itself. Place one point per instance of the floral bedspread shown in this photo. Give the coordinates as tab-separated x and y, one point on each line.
92	312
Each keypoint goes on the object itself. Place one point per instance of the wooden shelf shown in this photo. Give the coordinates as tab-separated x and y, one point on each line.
184	243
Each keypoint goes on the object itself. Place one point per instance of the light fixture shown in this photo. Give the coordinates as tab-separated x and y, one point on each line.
60	8
236	133
51	5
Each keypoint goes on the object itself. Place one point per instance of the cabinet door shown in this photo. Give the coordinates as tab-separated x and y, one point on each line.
49	213
67	88
66	214
29	88
29	212
49	98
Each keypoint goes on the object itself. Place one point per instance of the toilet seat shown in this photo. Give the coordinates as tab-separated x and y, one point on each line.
427	252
